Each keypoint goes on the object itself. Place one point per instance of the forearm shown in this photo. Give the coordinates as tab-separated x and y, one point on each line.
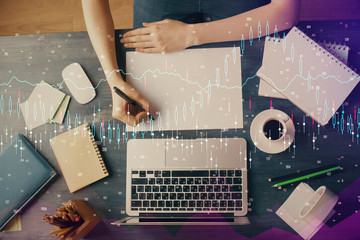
100	28
280	13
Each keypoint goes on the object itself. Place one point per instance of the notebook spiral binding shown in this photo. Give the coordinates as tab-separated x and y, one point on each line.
93	141
325	52
274	39
335	46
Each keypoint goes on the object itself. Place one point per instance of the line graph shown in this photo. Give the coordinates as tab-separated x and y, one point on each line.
209	86
216	81
182	78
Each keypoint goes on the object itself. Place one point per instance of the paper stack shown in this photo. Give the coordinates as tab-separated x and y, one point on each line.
46	104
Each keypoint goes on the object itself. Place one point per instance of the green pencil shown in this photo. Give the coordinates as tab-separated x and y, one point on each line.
306	176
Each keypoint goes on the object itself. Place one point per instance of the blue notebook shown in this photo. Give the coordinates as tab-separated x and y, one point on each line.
23	174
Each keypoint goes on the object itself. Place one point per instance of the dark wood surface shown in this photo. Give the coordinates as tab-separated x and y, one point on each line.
26	60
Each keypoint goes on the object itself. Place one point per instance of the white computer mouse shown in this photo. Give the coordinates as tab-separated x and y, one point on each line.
78	83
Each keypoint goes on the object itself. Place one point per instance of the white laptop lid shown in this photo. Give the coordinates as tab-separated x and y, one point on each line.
189	154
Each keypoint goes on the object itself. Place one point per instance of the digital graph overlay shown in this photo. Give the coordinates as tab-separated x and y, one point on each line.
343	123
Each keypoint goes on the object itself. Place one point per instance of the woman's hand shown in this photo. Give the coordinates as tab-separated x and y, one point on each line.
160	37
124	111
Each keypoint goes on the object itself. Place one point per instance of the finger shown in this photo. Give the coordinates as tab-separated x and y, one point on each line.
125	113
143	102
130	109
137	97
148	50
138	31
154	23
151	24
126	118
137	38
142	116
139	45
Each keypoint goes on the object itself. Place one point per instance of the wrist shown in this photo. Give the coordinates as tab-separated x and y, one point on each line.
114	79
193	37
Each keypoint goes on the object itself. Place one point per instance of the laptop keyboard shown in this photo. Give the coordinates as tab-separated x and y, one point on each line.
186	190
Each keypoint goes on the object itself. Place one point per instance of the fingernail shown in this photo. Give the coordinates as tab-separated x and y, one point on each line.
125	45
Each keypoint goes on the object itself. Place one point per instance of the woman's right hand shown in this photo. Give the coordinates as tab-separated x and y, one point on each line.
124	111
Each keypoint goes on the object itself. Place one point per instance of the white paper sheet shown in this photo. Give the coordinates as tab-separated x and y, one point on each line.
190	89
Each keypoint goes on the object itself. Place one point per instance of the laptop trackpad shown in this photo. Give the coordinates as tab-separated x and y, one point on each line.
186	154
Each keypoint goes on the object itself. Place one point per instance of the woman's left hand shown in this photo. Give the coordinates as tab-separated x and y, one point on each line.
161	37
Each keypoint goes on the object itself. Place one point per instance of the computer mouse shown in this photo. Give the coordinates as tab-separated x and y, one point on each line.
78	83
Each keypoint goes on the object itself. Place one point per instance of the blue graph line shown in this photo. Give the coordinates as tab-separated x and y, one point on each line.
308	78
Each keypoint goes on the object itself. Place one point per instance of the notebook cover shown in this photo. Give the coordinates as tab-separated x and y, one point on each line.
309	76
79	158
23	174
339	51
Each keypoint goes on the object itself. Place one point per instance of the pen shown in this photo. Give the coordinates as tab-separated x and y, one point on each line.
306	176
301	173
132	102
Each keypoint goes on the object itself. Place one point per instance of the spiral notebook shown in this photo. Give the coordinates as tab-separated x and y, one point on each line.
309	76
339	51
79	157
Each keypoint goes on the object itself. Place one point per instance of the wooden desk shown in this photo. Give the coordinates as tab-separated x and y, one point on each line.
26	60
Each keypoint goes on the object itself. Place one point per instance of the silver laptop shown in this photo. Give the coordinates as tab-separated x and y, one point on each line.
192	181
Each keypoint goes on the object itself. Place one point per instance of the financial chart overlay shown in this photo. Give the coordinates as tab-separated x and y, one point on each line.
28	60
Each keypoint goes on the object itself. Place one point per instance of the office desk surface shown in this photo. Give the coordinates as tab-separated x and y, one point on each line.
26	60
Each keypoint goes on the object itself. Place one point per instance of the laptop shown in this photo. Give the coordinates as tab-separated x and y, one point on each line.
186	181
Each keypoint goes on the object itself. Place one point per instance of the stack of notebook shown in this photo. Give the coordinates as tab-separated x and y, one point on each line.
313	76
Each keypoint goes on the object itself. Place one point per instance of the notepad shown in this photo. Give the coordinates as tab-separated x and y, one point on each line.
188	90
61	112
79	157
23	174
341	52
42	105
309	76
